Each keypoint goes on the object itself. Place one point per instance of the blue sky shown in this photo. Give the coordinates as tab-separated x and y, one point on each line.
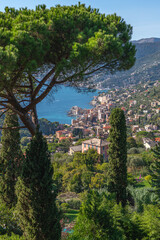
143	15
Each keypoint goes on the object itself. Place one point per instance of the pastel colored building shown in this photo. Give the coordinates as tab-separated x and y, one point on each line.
99	145
59	133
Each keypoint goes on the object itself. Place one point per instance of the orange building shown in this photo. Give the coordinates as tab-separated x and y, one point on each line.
157	139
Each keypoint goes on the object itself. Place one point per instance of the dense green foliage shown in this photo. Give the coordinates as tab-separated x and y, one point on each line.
62	146
135	161
150	222
100	37
12	237
118	155
131	142
141	197
8	223
47	127
155	170
101	218
36	209
80	172
10	159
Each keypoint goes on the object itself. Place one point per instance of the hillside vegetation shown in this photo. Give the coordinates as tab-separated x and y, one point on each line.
147	66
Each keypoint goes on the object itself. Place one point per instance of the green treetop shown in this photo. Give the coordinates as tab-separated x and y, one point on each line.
155	171
36	209
10	159
43	48
117	169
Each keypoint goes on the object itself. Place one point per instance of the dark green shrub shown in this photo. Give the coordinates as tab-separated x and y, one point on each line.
12	237
135	162
142	196
64	206
74	204
133	150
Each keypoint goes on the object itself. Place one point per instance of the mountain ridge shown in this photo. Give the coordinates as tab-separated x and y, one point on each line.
146	40
146	68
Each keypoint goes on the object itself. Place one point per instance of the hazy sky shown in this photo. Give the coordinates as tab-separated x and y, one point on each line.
143	15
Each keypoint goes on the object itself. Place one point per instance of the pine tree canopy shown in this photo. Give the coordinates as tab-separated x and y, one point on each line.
43	48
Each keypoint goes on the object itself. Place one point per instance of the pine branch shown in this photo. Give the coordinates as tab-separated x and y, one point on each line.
40	82
13	127
49	74
3	113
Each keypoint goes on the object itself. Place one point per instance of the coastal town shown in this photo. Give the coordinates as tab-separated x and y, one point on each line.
140	104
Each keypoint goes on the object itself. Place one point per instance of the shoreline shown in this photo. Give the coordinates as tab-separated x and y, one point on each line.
64	99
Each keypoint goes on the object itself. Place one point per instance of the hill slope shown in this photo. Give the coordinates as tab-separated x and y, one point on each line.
147	66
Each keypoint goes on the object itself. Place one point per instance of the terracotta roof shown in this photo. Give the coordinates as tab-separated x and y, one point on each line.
157	139
107	127
61	138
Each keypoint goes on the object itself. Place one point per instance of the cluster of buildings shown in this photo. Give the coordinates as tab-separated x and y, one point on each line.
147	128
94	123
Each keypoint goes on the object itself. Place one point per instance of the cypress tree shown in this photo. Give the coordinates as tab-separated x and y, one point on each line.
10	159
36	208
155	171
117	169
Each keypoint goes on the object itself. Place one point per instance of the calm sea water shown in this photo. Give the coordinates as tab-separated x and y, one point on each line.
55	108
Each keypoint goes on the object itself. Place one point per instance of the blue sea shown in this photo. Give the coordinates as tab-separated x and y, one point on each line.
55	107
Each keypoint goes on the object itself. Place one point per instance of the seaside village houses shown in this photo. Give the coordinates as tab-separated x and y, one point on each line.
94	123
99	145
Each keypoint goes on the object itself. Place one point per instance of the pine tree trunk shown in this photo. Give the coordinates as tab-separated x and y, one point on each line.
34	116
28	123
